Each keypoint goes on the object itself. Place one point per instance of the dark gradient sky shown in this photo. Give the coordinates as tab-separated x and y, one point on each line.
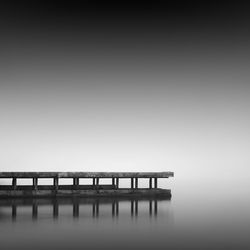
146	86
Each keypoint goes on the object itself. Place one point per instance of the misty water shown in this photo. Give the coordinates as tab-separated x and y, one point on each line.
198	216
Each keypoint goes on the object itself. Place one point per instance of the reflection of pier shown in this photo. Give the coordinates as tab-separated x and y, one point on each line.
96	205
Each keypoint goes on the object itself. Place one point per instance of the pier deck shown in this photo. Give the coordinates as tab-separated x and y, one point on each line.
76	189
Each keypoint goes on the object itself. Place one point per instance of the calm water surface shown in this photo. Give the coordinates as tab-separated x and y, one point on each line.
207	217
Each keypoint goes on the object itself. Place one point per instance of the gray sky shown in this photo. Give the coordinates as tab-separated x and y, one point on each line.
143	95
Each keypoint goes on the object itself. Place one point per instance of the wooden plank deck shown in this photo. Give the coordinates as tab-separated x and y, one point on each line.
86	174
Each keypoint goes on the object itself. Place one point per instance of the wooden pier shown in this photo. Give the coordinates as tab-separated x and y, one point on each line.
76	189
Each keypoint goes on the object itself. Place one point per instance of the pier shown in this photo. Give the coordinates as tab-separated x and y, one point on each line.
95	189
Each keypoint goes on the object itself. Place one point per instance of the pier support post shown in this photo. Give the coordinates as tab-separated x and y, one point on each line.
93	183
97	183
35	181
56	183
75	182
14	183
156	185
132	183
136	183
113	181
117	183
150	183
